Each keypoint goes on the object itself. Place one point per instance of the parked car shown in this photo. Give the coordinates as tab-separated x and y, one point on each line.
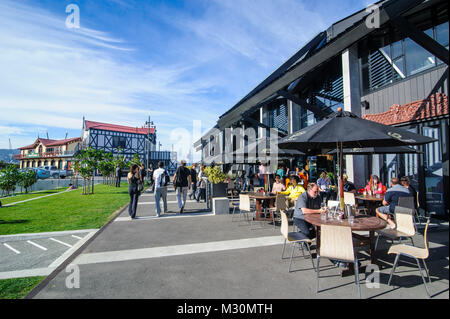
41	173
56	173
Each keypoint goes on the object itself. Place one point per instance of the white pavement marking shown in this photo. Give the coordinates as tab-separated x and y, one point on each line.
74	236
26	273
34	244
185	215
156	252
27	200
21	237
14	250
61	242
69	252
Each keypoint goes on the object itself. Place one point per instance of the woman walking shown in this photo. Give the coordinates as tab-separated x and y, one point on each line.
133	178
201	184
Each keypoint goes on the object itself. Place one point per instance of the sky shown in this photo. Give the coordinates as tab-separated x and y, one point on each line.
175	61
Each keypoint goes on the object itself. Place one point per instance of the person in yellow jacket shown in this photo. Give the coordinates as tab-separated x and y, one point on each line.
293	191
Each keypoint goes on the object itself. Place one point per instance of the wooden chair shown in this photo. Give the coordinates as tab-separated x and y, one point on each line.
336	243
349	199
405	226
293	238
412	252
408	202
280	205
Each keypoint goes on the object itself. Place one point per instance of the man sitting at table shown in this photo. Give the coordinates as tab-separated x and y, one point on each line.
293	191
307	203
390	200
348	187
278	186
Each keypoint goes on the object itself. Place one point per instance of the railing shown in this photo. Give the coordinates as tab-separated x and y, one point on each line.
44	154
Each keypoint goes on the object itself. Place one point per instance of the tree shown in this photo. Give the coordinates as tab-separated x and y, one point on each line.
9	177
135	160
106	167
86	163
27	179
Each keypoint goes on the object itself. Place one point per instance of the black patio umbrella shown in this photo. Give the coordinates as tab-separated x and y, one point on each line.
378	150
258	151
345	129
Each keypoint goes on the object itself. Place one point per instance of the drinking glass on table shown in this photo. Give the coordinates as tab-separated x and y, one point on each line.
351	220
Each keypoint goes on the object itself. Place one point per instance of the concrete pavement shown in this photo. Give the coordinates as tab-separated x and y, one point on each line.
207	256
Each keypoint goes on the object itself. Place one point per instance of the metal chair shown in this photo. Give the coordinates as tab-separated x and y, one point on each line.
244	206
336	243
349	199
408	202
405	226
280	205
293	238
412	252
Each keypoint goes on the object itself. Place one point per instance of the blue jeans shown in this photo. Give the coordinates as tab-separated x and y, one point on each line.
201	192
305	228
160	192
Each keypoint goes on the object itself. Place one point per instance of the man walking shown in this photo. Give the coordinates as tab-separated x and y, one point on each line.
182	182
160	182
193	172
118	175
150	176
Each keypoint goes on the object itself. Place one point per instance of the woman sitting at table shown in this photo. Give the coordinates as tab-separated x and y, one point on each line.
278	186
376	187
293	191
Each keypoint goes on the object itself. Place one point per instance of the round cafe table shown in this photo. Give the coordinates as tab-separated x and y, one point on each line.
260	198
361	223
372	202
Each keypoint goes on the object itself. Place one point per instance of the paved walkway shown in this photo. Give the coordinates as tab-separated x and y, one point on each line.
200	255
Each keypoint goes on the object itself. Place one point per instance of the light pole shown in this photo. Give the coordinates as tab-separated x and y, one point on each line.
147	141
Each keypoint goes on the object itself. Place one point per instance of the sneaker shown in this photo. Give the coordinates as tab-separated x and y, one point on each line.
181	210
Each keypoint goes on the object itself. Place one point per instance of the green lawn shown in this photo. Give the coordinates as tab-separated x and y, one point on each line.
21	197
18	288
67	211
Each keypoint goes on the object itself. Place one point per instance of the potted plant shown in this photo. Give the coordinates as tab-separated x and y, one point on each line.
217	179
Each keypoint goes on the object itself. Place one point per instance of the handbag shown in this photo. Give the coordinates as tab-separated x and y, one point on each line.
140	186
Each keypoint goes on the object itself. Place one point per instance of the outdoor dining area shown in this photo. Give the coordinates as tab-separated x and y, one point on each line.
348	225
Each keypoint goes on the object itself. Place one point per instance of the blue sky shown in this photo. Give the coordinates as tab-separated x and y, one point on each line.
177	61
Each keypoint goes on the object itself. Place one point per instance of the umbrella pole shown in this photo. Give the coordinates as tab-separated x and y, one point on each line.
341	173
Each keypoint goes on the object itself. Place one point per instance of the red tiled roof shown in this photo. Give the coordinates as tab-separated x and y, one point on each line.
49	142
117	128
62	142
436	105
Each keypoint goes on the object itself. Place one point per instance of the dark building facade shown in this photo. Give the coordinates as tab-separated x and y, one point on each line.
389	64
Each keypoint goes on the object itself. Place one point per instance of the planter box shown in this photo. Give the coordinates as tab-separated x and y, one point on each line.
219	190
221	206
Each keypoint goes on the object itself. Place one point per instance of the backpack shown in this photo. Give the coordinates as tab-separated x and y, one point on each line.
166	178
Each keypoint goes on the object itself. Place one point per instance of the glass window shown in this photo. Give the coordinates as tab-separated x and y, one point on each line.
417	58
397	49
386	51
399	68
433	173
442	34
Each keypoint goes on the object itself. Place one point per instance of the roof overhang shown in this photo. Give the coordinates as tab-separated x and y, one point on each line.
388	10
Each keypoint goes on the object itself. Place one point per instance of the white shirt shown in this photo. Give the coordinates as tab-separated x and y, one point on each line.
158	176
